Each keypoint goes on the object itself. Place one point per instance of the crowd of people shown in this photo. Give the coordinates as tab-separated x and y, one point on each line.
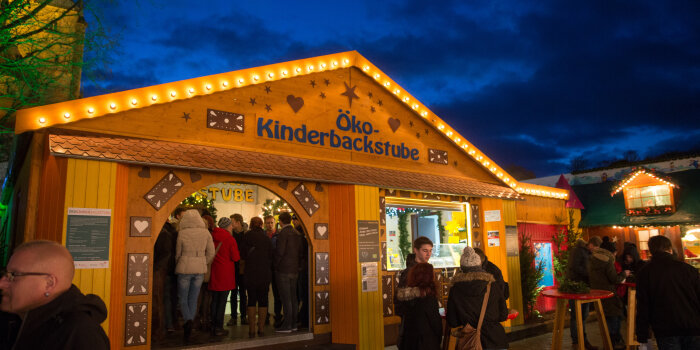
668	291
198	264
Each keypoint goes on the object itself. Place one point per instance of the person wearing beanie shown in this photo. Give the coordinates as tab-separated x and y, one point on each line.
493	270
467	296
223	276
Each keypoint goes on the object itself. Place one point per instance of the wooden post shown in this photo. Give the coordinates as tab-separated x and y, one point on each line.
632	342
603	325
559	316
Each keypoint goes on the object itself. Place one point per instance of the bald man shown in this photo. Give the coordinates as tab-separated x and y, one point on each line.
37	287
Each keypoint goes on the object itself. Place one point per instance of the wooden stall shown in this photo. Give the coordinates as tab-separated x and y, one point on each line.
333	136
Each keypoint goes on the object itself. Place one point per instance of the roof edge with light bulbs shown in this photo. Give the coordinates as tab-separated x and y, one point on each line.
92	107
639	171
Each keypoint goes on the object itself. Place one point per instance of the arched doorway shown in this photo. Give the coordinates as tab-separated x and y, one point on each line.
218	200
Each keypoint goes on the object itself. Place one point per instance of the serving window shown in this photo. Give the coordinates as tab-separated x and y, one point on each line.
446	224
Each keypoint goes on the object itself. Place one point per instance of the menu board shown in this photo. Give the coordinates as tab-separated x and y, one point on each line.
87	237
368	240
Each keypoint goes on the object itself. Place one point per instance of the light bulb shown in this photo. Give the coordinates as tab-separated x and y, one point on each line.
134	102
208	87
241	81
173	93
154	97
91	110
67	116
225	84
42	120
112	105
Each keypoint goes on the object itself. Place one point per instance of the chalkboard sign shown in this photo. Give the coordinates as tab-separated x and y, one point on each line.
368	240
87	237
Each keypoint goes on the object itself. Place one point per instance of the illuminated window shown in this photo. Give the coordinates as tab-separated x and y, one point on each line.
648	197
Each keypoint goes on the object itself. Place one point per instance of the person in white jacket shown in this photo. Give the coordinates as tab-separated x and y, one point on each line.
193	252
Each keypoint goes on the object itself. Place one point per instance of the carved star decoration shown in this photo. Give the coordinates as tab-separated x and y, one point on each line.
268	107
370	94
426	131
410	123
455	163
380	102
252	101
372	109
267	89
350	93
327	82
186	117
323	94
313	83
418	135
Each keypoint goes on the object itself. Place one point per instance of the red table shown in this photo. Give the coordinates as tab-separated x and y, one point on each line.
594	296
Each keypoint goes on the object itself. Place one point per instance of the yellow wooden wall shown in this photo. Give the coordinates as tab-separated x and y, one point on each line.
513	266
496	255
91	184
540	210
369	303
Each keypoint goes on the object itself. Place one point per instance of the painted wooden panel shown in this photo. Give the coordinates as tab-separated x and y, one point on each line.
52	193
510	217
92	184
541	210
514	286
370	304
118	265
496	255
344	271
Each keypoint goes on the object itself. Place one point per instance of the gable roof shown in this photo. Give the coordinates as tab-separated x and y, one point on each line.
641	171
573	201
604	210
63	113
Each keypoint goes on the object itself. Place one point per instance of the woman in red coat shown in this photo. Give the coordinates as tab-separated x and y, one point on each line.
222	273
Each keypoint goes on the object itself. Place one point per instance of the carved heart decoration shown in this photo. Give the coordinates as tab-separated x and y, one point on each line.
295	102
194	177
322	230
394	124
140	225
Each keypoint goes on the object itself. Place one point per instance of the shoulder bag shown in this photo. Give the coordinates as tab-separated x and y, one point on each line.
469	338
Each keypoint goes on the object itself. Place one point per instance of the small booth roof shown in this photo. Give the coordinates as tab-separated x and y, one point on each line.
208	158
641	171
55	115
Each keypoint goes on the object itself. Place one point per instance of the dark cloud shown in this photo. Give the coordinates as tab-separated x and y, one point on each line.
530	83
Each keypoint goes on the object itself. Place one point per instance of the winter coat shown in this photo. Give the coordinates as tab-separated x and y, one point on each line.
579	258
164	249
195	247
71	321
288	250
238	236
422	323
223	267
602	275
668	298
403	279
257	251
464	306
491	268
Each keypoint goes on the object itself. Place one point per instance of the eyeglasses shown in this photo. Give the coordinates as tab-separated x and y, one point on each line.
12	275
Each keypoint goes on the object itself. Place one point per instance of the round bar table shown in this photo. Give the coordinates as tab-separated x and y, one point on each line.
631	340
594	296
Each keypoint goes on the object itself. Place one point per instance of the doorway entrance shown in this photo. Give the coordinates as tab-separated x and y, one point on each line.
218	204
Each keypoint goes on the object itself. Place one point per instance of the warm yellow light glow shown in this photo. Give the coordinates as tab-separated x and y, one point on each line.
441	126
191	90
323	66
334	63
449	133
415	106
397	91
346	61
241	81
457	140
256	78
310	68
405	99
387	84
366	68
113	105
42	120
284	73
493	169
376	76
486	163
91	110
270	75
154	97
225	84
134	101
425	114
298	70
465	146
208	87
173	93
500	175
66	115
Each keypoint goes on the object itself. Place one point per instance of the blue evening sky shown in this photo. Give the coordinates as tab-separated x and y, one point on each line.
531	83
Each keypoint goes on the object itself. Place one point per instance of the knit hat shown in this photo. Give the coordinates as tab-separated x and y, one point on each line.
224	222
469	258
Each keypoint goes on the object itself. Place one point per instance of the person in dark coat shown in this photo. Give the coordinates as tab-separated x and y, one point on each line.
668	299
257	252
422	250
164	278
577	270
467	296
630	260
303	282
602	275
238	293
422	322
287	263
494	270
54	313
271	231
